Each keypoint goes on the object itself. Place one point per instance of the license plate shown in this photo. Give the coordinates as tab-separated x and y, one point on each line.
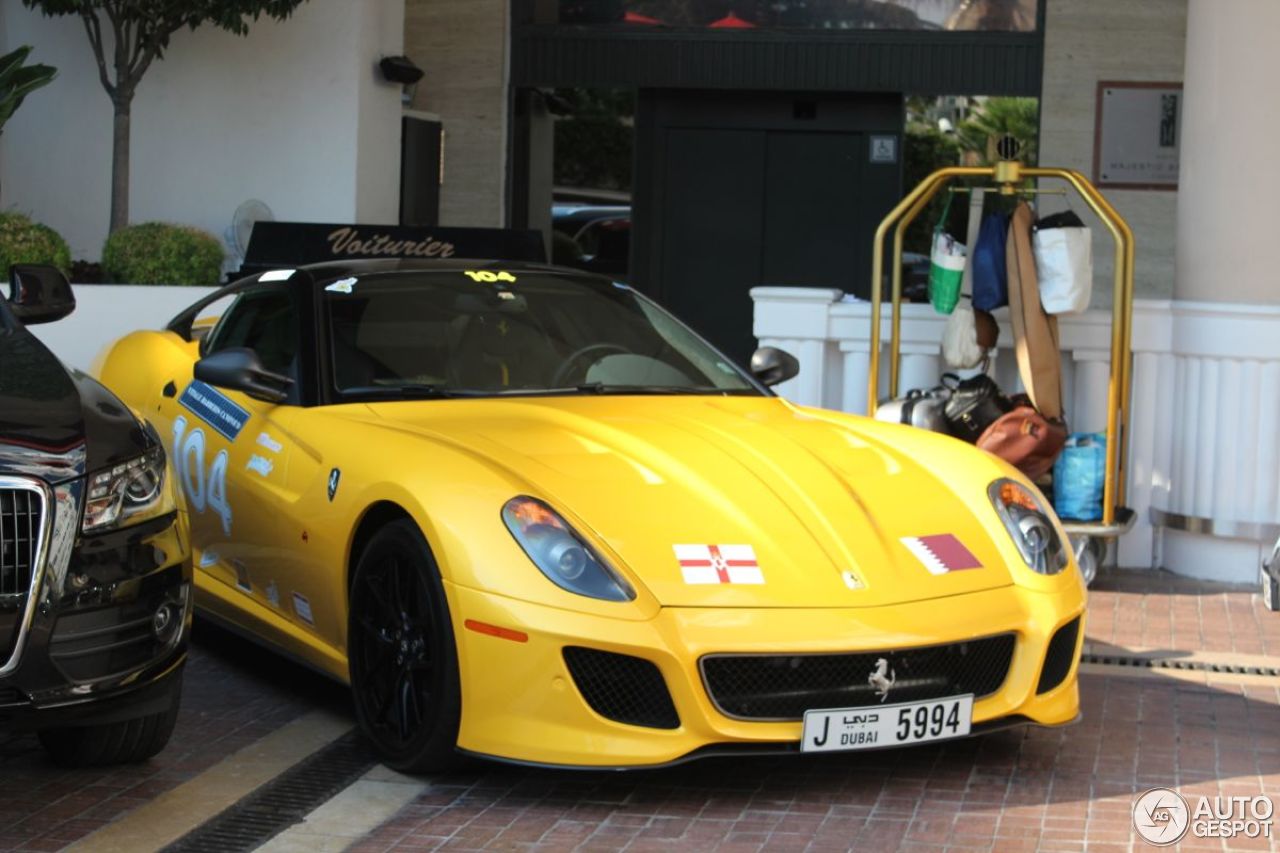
886	725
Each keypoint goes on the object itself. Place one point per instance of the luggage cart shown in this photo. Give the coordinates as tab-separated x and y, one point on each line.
1088	539
1271	579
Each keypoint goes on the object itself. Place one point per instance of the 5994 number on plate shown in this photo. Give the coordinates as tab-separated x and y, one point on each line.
887	725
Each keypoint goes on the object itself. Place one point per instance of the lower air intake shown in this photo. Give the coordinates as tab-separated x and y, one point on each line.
622	688
1060	656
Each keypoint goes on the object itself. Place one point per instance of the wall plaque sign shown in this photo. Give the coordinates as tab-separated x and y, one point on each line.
1136	134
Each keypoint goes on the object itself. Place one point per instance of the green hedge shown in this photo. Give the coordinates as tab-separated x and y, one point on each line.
25	242
160	253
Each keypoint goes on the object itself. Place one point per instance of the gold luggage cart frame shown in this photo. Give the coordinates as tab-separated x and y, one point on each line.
1007	176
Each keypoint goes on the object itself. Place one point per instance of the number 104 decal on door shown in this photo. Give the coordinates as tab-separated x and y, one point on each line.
205	490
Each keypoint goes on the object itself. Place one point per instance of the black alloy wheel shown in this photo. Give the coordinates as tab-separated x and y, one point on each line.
401	653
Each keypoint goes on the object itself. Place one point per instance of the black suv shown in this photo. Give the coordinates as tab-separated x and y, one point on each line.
95	560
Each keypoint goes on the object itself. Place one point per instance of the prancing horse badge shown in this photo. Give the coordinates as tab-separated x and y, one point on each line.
334	476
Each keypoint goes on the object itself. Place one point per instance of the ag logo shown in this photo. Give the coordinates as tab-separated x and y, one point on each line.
1161	817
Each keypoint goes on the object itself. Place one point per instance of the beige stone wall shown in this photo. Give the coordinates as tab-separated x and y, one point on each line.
461	45
1124	40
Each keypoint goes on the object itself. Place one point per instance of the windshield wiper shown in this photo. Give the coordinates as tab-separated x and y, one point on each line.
605	388
416	390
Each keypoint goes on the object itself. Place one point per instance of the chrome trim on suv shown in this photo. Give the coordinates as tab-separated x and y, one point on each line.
38	559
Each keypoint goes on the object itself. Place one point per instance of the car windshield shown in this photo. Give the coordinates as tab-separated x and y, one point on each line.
488	333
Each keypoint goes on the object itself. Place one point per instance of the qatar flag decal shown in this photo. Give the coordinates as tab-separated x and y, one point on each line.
718	564
941	553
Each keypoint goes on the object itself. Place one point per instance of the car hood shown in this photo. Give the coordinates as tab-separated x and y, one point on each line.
823	500
55	422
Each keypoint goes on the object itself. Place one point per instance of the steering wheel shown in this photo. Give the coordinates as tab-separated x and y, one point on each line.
564	371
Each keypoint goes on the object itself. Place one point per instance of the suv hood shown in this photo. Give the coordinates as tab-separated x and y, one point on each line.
57	423
822	500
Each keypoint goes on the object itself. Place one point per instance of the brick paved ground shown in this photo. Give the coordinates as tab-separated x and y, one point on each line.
1028	789
1023	790
1160	610
232	696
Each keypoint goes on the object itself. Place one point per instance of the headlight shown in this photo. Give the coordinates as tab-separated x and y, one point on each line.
126	491
1030	525
560	553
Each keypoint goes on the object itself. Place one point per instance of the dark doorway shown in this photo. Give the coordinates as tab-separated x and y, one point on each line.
739	190
421	147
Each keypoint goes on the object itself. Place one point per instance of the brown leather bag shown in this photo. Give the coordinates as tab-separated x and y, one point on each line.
1025	439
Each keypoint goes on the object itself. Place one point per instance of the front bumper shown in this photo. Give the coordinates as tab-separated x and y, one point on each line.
520	701
91	654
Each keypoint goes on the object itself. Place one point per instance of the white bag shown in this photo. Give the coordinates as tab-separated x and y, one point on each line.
1064	265
960	334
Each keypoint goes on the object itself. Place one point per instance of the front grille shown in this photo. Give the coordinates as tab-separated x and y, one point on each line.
622	688
19	535
21	530
1060	656
783	687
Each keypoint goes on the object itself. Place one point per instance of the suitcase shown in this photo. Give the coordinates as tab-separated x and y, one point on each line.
920	408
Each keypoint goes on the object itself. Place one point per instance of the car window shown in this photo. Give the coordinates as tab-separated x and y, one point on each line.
535	332
265	321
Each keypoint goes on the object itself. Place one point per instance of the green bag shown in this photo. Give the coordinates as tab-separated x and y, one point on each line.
946	266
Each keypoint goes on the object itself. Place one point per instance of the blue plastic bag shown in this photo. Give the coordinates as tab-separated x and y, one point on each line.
1079	476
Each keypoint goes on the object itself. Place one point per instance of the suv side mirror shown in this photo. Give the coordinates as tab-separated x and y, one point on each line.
772	365
39	294
240	369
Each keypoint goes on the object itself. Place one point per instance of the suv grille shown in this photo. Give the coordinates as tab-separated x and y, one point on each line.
19	532
783	687
622	688
21	529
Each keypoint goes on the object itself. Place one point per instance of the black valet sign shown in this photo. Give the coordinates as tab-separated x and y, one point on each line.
283	244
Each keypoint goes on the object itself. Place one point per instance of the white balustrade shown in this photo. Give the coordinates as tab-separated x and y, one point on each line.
1203	424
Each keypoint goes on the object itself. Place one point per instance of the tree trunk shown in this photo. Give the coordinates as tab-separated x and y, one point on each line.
120	162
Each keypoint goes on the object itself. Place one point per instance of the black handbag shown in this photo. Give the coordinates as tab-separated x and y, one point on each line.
975	404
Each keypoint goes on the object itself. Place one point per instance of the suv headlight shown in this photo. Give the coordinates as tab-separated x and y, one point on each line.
1030	525
560	553
127	491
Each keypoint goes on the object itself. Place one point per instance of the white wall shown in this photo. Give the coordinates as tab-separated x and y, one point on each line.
1229	171
292	114
106	313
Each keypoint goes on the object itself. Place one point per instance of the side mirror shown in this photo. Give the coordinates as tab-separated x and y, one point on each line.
39	294
240	369
772	365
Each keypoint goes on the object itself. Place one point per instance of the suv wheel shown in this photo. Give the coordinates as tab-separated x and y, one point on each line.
123	742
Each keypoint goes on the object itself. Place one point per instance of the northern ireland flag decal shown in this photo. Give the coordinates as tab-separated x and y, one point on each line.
941	553
708	564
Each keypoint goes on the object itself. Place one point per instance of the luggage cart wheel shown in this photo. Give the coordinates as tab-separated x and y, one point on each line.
1089	551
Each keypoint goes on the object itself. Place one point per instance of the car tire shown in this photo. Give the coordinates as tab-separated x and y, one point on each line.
402	654
122	742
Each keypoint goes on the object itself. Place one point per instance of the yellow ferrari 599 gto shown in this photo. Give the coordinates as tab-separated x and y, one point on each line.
527	514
